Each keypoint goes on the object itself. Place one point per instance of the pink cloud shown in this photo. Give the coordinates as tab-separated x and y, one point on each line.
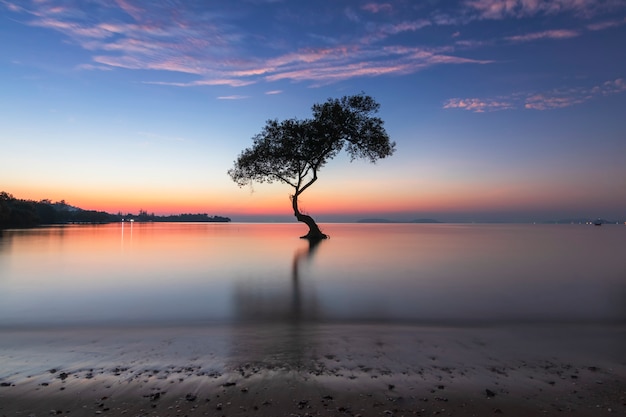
500	9
206	82
131	9
14	7
612	87
477	105
155	36
411	26
565	98
384	31
554	99
606	24
378	7
547	102
547	34
74	30
344	63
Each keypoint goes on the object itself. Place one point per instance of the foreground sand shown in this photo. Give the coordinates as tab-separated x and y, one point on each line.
315	370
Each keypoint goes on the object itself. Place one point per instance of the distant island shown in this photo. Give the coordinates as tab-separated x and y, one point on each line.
598	221
375	220
587	221
18	213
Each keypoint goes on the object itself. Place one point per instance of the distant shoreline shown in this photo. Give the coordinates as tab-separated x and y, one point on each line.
18	213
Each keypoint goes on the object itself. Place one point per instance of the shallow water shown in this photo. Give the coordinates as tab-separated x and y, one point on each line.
155	274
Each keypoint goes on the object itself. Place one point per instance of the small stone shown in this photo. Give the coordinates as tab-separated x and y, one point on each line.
155	396
490	393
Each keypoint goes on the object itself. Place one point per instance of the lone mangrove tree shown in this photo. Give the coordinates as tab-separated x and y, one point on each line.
293	151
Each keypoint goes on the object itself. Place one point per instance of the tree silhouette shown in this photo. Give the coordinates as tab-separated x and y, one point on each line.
293	151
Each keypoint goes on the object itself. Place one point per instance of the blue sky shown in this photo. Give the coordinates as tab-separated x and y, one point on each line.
509	110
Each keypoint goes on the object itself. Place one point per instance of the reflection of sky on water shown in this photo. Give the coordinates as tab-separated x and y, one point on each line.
247	272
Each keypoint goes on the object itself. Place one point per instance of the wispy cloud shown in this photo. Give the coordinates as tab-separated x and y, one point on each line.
500	9
606	24
365	62
233	97
378	7
200	83
384	31
553	99
224	51
546	34
477	105
560	98
224	45
92	67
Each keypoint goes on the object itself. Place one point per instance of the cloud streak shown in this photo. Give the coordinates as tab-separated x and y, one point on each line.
546	34
554	99
478	105
501	9
136	37
225	46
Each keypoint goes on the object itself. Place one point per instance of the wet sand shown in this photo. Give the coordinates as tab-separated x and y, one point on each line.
306	369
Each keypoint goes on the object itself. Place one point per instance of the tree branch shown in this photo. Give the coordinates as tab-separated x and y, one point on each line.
308	184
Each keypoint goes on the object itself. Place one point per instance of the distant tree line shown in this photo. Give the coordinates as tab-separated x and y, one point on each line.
19	213
143	216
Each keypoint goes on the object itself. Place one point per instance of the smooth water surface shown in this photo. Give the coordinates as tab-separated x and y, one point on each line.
237	272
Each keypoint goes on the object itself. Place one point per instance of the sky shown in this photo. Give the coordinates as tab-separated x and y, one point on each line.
501	110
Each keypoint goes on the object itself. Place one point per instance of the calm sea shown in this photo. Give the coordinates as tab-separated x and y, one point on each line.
156	274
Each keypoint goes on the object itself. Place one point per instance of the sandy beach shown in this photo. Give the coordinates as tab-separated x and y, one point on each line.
315	370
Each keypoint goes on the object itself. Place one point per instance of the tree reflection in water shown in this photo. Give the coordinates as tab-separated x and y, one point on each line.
275	321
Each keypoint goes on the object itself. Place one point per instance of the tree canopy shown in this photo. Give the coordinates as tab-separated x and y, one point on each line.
293	150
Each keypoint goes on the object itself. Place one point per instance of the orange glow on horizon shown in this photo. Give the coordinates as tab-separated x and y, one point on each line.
324	200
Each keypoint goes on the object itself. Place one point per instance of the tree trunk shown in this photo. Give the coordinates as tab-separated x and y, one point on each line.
314	231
